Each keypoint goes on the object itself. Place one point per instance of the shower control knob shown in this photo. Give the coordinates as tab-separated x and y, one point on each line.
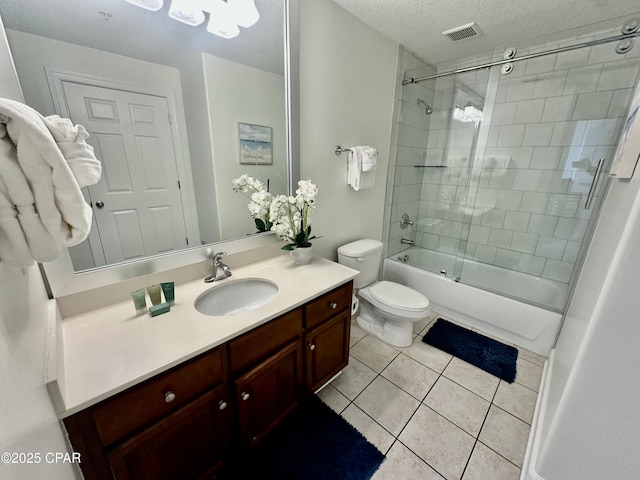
333	305
99	204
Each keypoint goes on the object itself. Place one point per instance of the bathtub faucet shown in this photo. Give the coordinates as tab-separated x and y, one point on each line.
406	241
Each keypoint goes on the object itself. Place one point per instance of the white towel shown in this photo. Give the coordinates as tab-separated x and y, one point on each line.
369	159
356	176
79	154
42	206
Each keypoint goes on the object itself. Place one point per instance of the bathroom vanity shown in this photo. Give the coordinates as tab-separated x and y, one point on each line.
184	392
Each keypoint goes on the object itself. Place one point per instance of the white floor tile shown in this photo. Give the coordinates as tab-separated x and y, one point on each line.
472	378
387	404
410	375
374	353
438	442
516	399
485	464
402	464
505	434
373	432
528	374
354	378
333	398
433	358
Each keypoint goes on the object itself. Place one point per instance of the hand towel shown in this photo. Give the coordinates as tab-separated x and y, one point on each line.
356	177
70	138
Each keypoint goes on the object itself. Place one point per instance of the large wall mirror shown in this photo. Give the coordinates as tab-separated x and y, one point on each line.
172	110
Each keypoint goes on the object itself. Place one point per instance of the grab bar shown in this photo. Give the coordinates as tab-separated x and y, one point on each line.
594	182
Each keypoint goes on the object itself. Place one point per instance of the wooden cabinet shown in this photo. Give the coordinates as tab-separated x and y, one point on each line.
184	423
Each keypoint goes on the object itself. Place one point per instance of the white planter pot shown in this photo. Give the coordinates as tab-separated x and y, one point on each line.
302	255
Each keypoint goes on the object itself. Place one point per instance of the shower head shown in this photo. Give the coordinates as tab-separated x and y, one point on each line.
427	108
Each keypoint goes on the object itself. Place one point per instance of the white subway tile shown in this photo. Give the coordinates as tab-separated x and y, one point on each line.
493	218
620	103
549	84
621	74
534	202
485	253
521	88
571	229
516	221
540	64
547	158
531	264
591	106
568	133
524	242
520	156
558	109
571	252
582	80
509	200
558	270
563	205
538	134
503	113
529	111
511	136
602	132
487	197
542	224
573	58
526	180
552	181
500	238
507	259
550	247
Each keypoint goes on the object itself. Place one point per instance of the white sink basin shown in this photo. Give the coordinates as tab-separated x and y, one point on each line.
236	297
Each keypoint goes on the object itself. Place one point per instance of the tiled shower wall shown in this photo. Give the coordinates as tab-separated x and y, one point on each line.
519	201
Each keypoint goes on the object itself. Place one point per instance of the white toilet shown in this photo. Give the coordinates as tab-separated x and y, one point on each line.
387	309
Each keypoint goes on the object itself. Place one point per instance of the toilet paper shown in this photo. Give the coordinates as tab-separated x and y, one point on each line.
355	303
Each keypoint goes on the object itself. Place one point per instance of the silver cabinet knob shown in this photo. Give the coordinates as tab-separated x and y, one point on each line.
244	396
312	346
99	204
169	397
222	404
333	305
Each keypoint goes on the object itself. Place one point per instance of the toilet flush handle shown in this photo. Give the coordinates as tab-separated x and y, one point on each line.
359	259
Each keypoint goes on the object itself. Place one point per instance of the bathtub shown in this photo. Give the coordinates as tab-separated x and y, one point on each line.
528	326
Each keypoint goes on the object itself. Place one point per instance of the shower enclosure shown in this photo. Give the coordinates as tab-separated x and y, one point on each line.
501	170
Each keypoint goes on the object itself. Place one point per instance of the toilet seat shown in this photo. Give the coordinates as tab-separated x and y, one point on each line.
399	296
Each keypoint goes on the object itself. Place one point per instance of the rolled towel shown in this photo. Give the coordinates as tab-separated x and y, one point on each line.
357	178
369	159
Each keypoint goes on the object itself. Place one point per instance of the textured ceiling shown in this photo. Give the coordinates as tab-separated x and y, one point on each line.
418	24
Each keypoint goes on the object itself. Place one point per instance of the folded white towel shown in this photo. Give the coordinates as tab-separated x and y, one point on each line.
79	154
369	159
356	177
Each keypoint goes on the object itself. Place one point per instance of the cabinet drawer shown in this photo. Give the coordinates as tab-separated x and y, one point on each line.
328	305
254	345
158	396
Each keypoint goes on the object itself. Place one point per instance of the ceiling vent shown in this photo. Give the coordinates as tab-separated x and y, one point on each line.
463	32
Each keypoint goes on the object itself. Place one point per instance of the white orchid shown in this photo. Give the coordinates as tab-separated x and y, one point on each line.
291	216
260	200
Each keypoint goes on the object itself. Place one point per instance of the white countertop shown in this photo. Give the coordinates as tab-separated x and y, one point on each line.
107	350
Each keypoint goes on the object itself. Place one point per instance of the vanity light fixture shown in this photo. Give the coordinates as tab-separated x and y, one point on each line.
225	16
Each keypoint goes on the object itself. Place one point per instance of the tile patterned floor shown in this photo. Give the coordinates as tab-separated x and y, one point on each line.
433	415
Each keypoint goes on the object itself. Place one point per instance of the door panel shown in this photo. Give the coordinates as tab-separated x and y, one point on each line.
137	205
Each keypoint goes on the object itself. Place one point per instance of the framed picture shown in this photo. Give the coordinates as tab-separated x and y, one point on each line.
254	144
628	152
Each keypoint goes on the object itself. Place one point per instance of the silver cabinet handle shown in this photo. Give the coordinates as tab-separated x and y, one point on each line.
169	397
222	404
312	346
594	182
333	305
244	396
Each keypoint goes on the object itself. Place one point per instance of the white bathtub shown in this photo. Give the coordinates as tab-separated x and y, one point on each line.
525	325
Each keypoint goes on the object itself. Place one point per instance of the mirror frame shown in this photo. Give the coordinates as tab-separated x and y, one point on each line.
61	279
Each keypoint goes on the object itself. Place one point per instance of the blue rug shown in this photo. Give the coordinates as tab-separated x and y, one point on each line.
313	443
490	355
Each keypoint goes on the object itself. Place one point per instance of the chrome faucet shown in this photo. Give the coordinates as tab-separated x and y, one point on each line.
406	241
217	266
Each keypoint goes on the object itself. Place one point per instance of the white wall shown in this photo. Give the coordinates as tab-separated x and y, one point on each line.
347	82
28	422
238	93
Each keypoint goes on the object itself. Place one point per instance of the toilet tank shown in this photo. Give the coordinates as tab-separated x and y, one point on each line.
364	256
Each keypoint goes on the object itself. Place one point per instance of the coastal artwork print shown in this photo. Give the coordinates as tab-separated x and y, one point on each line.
255	144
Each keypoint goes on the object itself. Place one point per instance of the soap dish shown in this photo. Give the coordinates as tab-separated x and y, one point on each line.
159	309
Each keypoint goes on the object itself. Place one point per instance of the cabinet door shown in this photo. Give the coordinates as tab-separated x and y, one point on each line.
189	444
327	350
269	392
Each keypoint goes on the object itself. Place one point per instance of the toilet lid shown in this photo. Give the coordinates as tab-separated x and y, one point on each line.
398	296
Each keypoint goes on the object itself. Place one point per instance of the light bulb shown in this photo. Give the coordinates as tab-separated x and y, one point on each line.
221	22
186	11
153	5
244	12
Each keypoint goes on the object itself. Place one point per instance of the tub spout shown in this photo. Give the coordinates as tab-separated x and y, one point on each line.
406	241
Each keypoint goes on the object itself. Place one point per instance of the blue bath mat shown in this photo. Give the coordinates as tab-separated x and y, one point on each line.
490	355
313	443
